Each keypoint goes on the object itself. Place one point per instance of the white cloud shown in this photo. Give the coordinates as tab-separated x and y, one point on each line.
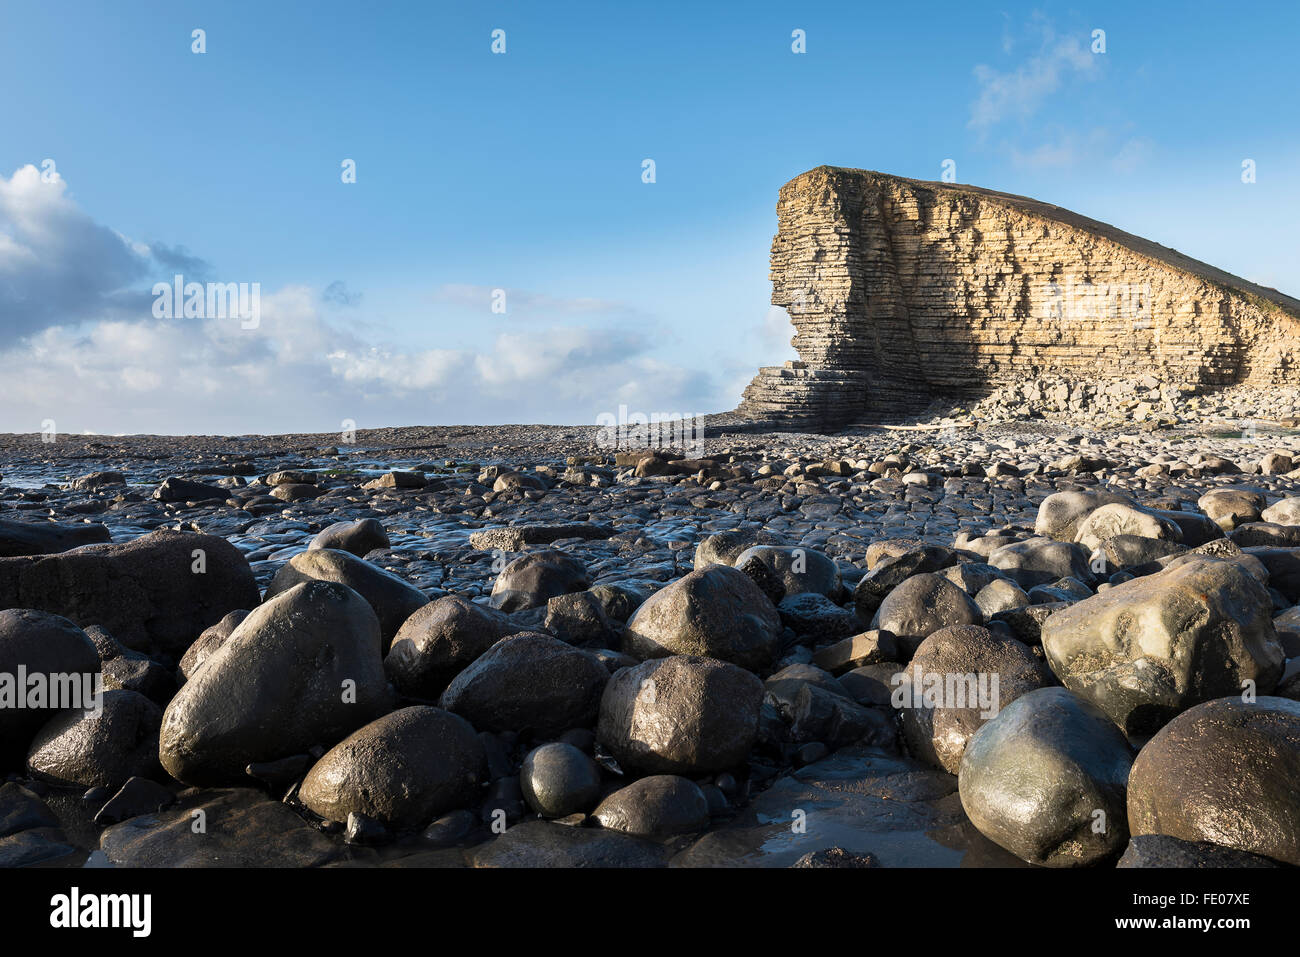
57	265
296	372
81	346
1132	154
1094	147
778	329
1018	93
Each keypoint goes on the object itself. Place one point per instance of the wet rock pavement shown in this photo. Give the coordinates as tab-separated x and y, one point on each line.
512	646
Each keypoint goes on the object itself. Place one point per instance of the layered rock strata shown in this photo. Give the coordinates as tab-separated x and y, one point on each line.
902	291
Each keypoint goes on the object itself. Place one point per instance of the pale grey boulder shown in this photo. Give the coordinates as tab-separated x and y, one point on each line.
1060	513
1230	507
1047	780
1285	512
1116	519
1147	649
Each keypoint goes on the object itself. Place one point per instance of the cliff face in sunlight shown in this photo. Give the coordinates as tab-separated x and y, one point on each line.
902	290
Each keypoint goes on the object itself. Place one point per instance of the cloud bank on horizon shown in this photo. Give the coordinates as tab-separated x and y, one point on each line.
95	356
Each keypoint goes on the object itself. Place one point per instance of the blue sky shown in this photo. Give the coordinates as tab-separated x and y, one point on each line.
522	171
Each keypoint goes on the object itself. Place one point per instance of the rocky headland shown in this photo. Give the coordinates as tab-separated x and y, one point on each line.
903	292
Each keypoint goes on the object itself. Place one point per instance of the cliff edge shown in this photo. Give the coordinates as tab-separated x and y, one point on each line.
902	291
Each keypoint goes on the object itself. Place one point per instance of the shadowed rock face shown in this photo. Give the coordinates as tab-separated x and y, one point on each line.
159	590
900	290
1227	772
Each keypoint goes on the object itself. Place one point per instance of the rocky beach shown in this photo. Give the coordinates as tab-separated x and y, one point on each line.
1033	638
527	442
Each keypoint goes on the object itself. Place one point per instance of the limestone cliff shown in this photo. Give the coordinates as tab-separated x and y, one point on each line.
902	290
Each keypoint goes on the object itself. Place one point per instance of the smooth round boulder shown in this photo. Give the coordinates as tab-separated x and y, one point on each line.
1116	519
922	605
393	599
1001	595
1285	512
715	611
1060	513
100	748
798	569
44	645
1149	648
658	807
296	493
959	679
558	780
1227	772
680	715
439	641
404	769
1047	778
303	669
529	683
357	537
533	579
723	548
518	480
1230	507
1041	561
